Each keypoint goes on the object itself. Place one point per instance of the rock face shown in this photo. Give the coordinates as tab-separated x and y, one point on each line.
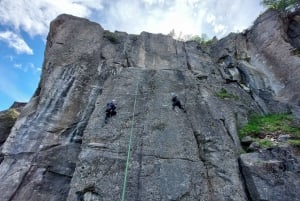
272	174
60	148
264	56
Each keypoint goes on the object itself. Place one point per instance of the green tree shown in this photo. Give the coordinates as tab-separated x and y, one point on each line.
281	5
202	40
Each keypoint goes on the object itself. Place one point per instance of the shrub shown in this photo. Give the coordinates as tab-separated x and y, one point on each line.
12	114
281	5
203	40
112	37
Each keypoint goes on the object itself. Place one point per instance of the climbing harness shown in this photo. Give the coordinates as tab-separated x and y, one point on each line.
129	145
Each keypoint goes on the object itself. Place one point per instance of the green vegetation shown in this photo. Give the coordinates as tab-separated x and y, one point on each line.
202	40
242	151
280	4
223	93
265	143
112	37
275	124
295	142
269	123
296	52
12	114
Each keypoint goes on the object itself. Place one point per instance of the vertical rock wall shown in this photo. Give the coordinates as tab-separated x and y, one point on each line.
60	148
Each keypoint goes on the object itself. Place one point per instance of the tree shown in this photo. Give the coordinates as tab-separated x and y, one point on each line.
172	33
281	5
203	40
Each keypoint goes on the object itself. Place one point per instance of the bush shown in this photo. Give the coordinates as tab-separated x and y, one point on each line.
112	37
12	114
280	4
203	41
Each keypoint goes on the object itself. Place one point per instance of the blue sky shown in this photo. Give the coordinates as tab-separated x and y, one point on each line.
24	26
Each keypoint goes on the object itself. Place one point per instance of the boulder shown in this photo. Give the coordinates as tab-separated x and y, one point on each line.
272	174
254	146
246	141
283	138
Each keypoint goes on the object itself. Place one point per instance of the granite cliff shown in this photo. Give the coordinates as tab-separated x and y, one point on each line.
59	148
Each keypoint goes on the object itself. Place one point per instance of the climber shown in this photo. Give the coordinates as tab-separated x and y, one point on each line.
176	102
110	110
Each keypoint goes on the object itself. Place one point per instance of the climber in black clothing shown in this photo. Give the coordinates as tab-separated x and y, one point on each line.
110	110
176	102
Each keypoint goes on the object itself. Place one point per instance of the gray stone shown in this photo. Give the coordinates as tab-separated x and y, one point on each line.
267	72
77	139
60	148
254	146
294	31
246	141
272	174
283	138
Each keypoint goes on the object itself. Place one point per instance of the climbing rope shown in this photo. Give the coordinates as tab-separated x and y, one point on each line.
129	145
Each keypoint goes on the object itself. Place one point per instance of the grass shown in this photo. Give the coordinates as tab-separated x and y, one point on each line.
265	143
223	93
275	124
295	142
269	123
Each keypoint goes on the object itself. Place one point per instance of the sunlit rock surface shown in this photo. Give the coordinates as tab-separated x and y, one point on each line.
60	148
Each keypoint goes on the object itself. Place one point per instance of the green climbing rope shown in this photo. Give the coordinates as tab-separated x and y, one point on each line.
129	145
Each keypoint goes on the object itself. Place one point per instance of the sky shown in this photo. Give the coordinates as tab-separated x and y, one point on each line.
24	25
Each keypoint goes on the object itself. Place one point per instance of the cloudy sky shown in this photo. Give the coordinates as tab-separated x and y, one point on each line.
24	25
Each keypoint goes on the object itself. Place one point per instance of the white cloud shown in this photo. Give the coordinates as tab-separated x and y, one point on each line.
16	42
152	16
30	66
210	18
213	17
27	67
152	2
18	66
220	29
34	16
